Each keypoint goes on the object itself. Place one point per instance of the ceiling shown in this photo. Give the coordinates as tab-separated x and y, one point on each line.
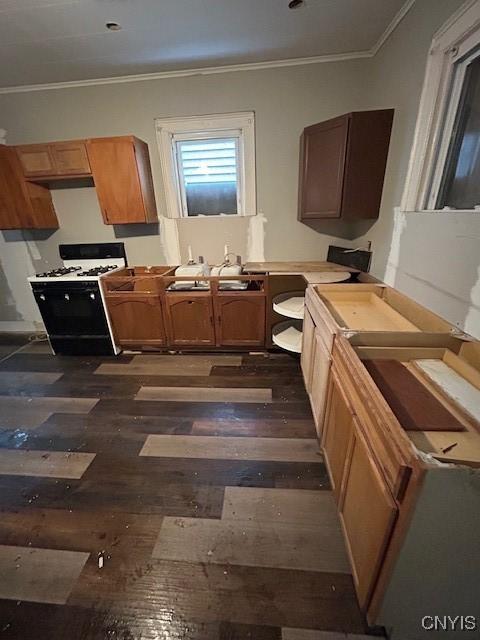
47	41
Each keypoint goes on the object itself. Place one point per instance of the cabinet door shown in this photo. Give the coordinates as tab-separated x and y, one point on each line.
368	513
117	180
36	159
70	158
322	165
240	320
308	347
136	320
190	319
320	374
23	205
337	434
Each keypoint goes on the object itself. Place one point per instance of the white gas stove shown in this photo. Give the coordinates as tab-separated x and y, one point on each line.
71	299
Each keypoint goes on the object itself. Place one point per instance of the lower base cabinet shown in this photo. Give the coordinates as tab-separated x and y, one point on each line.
337	434
190	319
240	320
137	320
321	362
307	355
368	513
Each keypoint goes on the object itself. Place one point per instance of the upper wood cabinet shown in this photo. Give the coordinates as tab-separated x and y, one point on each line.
123	179
54	160
23	205
342	166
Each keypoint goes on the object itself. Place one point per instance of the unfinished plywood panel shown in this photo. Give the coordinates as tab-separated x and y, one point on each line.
204	394
39	575
232	448
295	506
365	311
258	544
46	464
458	448
453	385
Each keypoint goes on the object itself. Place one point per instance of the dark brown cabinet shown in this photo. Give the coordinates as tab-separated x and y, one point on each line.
240	320
123	179
137	320
23	205
190	319
342	166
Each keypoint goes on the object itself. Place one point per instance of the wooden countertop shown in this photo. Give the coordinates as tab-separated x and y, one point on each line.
295	267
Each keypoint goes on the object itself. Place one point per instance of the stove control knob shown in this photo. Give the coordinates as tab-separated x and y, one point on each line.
42	297
67	297
92	296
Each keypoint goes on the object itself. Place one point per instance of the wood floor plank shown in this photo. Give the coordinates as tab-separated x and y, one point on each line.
248	543
239	594
232	448
205	394
296	506
314	634
253	428
39	575
119	505
14	378
154	369
224	360
47	464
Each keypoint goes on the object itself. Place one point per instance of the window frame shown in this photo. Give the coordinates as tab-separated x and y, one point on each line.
438	108
171	130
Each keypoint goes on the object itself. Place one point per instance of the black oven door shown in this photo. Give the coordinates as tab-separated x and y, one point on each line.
74	316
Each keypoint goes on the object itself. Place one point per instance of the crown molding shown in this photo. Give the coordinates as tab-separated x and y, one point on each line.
201	71
392	26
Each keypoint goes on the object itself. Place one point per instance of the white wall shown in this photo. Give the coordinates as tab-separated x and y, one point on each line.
285	100
434	258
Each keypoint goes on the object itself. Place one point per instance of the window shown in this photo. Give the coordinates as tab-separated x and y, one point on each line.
444	171
208	165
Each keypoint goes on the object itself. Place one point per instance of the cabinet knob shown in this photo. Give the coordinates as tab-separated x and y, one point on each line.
42	297
67	296
92	296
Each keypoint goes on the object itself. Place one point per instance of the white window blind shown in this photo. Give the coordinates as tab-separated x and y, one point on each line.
208	175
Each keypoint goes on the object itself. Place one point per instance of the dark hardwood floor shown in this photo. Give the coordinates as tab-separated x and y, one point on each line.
147	519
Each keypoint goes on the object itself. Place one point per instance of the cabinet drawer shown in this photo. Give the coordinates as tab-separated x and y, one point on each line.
370	308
